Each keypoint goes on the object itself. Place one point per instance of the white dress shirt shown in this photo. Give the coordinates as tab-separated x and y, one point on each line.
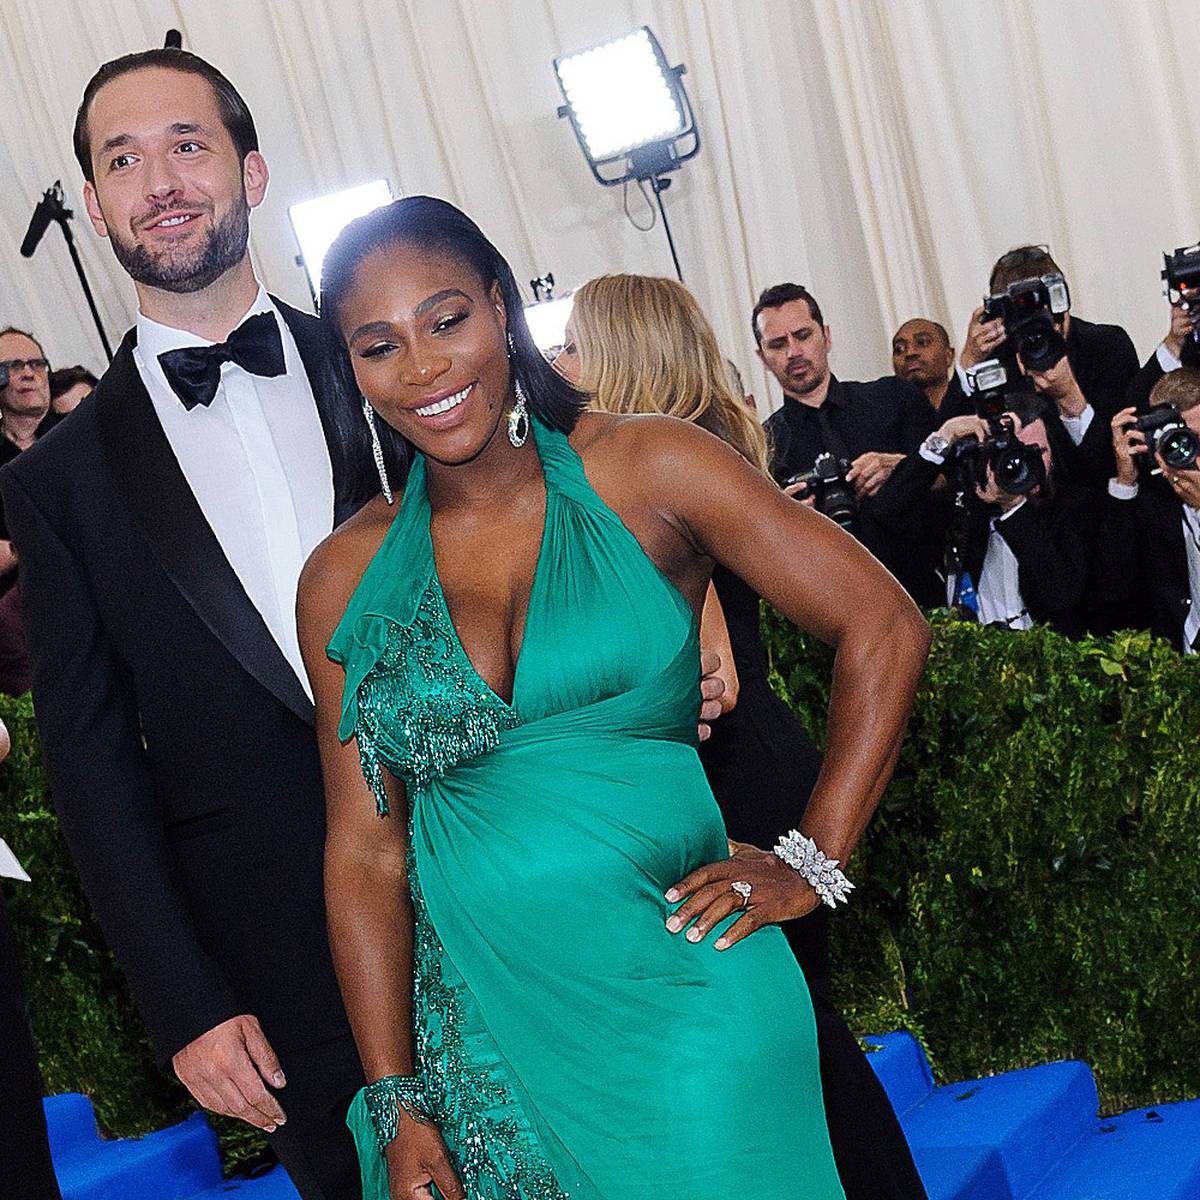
999	590
257	462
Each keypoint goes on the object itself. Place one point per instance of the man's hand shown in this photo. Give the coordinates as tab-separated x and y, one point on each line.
957	428
870	471
1128	443
1185	484
794	490
1181	324
993	493
1059	383
8	557
225	1069
984	338
712	688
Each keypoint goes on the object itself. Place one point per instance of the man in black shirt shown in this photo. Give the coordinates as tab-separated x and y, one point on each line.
873	426
1087	387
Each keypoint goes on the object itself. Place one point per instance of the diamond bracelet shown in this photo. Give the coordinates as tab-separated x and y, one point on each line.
801	853
386	1098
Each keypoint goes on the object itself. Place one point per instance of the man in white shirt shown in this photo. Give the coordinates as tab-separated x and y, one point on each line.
161	531
1150	531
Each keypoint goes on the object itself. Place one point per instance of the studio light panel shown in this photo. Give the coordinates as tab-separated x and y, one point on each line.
318	222
621	94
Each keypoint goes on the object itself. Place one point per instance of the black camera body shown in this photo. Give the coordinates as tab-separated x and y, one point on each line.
1017	468
1181	275
826	483
1167	435
1032	310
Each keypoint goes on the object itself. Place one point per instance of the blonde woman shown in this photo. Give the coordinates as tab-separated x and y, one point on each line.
638	344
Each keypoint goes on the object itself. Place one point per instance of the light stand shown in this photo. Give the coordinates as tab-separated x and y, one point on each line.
51	208
630	114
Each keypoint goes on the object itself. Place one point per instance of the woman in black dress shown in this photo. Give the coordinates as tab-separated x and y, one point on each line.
641	344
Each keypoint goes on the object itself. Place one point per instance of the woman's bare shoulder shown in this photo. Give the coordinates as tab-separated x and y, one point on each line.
336	566
642	440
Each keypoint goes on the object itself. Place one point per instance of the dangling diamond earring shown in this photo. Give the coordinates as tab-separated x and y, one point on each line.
518	418
377	450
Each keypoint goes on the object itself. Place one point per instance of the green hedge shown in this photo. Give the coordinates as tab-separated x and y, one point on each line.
1027	890
1028	887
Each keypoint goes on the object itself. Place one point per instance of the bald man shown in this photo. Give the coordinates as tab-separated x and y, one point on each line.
922	355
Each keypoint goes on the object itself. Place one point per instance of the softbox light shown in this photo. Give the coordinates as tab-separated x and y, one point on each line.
316	223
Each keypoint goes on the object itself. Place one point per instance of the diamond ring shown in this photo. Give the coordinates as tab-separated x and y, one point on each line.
743	889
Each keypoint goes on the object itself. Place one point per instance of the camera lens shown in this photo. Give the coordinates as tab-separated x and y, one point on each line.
838	504
1179	447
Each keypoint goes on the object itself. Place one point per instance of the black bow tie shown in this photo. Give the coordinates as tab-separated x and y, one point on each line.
194	372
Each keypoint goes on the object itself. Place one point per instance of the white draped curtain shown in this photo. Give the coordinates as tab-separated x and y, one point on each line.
883	152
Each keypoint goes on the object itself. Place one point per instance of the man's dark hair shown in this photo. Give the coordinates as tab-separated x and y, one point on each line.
778	295
235	116
1023	262
25	334
436	225
65	378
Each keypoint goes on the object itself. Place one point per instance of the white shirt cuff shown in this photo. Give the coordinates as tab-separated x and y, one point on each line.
968	384
1078	426
1122	491
1166	359
1005	515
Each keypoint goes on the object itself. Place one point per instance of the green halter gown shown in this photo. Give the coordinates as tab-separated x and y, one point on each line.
571	1045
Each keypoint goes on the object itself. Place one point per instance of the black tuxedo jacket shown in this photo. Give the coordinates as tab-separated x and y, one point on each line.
1143	557
177	738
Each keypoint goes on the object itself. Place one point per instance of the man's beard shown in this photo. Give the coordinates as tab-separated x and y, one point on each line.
193	268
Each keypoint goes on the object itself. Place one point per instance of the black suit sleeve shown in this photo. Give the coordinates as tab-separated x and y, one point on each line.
1142	384
1116	365
1053	545
918	419
104	791
1118	569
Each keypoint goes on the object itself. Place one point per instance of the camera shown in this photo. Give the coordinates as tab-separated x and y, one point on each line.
826	483
1168	436
1017	468
1031	310
1181	274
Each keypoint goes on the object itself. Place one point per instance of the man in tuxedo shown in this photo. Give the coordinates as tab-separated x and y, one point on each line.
1086	387
161	532
1150	525
873	426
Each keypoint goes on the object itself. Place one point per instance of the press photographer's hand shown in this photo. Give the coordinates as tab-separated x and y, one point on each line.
1185	484
984	338
1182	324
993	493
1128	444
870	471
1060	385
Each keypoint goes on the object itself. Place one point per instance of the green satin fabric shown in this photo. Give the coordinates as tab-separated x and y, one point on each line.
544	834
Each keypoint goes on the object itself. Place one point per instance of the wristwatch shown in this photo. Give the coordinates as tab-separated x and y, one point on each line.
935	446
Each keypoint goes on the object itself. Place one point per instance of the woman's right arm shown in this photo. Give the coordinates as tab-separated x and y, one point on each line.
367	901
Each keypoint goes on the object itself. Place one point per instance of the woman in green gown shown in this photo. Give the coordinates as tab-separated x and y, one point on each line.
554	987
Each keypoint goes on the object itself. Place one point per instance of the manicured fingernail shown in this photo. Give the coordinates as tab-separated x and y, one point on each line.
672	895
674	924
278	1080
695	933
721	943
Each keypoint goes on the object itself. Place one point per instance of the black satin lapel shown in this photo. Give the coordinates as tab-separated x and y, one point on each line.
154	489
317	349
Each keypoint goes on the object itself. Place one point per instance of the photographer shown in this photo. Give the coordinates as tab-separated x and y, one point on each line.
1083	368
853	434
1181	346
1018	536
1150	522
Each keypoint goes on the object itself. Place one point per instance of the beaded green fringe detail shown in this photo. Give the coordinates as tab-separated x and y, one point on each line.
424	703
493	1148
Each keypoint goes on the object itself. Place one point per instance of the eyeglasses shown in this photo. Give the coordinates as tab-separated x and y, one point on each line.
15	366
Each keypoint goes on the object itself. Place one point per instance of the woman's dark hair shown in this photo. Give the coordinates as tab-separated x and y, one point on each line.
435	225
235	116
